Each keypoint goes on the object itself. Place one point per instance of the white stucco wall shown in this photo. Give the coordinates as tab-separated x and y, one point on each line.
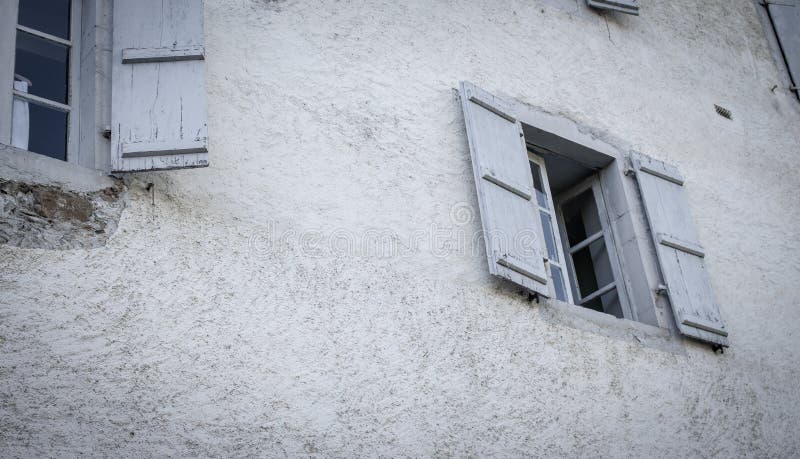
197	331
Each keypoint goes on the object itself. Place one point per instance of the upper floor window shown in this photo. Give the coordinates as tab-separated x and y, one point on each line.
44	87
581	256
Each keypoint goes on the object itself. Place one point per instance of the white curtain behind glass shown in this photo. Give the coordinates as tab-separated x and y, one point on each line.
20	124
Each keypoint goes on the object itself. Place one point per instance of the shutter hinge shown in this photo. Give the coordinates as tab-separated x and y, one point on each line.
661	289
531	296
629	171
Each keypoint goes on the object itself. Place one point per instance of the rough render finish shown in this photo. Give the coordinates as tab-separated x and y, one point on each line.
190	333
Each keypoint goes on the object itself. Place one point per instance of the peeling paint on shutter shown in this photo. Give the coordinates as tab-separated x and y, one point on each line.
511	225
158	97
680	255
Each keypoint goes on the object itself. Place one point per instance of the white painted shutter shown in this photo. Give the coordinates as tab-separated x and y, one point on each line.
624	6
785	15
680	254
158	96
511	224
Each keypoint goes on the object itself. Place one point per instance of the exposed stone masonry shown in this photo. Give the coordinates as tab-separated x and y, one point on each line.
48	217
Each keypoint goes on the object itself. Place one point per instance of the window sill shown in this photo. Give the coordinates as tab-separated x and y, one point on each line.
28	167
603	324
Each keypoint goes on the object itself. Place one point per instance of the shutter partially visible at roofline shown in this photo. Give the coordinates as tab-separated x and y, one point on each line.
511	225
679	252
158	96
785	16
623	6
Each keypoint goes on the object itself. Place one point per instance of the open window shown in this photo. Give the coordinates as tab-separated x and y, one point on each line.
611	231
582	255
590	249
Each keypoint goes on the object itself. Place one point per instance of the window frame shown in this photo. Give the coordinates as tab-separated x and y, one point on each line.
554	225
606	232
550	132
90	67
71	108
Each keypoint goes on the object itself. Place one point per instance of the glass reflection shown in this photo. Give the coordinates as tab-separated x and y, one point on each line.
44	65
48	16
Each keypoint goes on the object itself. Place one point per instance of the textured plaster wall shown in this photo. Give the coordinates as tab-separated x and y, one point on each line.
194	332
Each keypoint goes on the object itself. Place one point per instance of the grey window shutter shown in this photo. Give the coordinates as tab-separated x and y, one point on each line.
624	6
785	15
679	252
158	95
511	225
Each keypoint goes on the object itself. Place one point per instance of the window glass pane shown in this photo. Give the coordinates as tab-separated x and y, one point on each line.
48	16
611	304
581	218
592	267
608	303
541	196
39	129
558	283
44	64
549	238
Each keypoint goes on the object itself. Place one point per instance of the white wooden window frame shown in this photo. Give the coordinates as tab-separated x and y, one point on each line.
551	212
606	233
88	149
7	57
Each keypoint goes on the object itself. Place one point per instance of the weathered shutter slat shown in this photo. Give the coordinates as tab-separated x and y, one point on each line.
142	55
511	224
158	96
142	149
785	16
680	255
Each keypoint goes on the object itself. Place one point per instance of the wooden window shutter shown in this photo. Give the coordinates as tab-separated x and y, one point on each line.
158	95
624	6
511	225
785	16
679	252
